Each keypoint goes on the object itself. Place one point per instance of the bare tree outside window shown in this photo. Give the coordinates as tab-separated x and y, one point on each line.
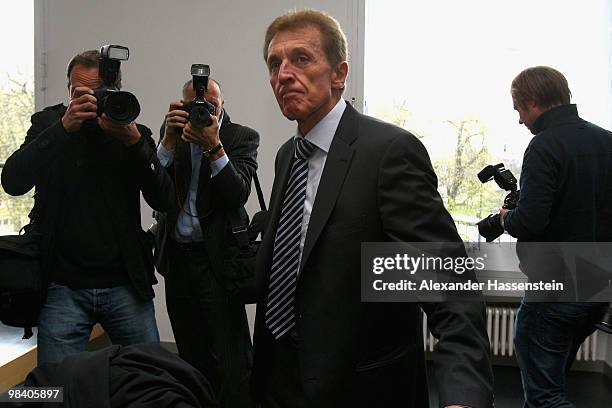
16	101
442	70
16	107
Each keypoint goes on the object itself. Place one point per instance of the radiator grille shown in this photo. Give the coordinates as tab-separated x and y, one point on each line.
500	328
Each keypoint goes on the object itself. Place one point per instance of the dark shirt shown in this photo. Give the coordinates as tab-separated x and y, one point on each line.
566	182
88	255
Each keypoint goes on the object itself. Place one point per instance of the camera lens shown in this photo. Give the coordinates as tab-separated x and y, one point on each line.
200	117
490	228
121	106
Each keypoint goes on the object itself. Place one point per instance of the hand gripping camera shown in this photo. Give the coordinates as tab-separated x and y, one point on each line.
120	106
490	227
200	110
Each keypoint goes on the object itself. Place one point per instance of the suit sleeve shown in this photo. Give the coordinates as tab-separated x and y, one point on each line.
232	185
151	177
538	180
412	211
43	143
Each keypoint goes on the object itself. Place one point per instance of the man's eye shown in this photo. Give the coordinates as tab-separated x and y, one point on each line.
274	65
302	59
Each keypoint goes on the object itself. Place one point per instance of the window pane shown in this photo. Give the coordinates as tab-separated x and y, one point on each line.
16	100
442	70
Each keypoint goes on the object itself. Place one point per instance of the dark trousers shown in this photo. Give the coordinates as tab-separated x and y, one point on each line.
211	332
283	388
548	336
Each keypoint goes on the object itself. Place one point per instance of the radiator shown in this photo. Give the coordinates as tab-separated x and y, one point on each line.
500	328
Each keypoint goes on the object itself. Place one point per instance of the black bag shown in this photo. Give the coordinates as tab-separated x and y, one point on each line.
21	280
238	272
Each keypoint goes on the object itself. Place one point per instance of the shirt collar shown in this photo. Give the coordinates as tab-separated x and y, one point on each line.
322	133
553	115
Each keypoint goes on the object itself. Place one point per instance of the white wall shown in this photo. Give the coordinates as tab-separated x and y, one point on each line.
165	38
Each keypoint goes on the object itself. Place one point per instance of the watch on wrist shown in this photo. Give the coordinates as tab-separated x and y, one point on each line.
213	150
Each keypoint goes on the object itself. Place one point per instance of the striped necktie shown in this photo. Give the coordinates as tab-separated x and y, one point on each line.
280	316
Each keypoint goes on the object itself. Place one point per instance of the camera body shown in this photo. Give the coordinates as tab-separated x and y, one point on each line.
605	324
200	110
490	227
120	106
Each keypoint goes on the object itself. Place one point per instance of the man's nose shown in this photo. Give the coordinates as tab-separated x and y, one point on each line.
285	71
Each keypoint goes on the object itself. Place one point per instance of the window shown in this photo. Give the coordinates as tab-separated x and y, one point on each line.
16	100
442	70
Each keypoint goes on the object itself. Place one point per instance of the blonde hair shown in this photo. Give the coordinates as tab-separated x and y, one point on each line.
334	40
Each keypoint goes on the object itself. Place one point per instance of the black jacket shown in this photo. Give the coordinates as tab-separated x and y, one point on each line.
566	182
141	375
41	162
227	192
565	196
378	185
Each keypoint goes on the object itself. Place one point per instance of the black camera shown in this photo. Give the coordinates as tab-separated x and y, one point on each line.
120	106
490	227
200	110
605	324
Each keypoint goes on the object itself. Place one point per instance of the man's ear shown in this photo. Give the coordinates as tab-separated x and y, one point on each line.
535	108
339	75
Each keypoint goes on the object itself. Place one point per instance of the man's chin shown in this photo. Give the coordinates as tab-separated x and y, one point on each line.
291	114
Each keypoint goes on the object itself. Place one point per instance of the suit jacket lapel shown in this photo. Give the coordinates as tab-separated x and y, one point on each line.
204	198
336	165
183	168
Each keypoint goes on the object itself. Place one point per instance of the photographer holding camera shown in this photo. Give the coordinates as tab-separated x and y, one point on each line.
89	162
212	161
565	196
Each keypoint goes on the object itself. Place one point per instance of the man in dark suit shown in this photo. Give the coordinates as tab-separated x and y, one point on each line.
344	179
566	196
88	173
212	168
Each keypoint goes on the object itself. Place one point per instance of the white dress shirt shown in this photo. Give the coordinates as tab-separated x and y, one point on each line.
321	136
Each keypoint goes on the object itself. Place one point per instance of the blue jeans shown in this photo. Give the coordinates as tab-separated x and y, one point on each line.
547	339
68	315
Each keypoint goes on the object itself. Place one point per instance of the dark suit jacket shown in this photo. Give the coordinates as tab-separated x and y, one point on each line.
227	191
378	185
41	162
